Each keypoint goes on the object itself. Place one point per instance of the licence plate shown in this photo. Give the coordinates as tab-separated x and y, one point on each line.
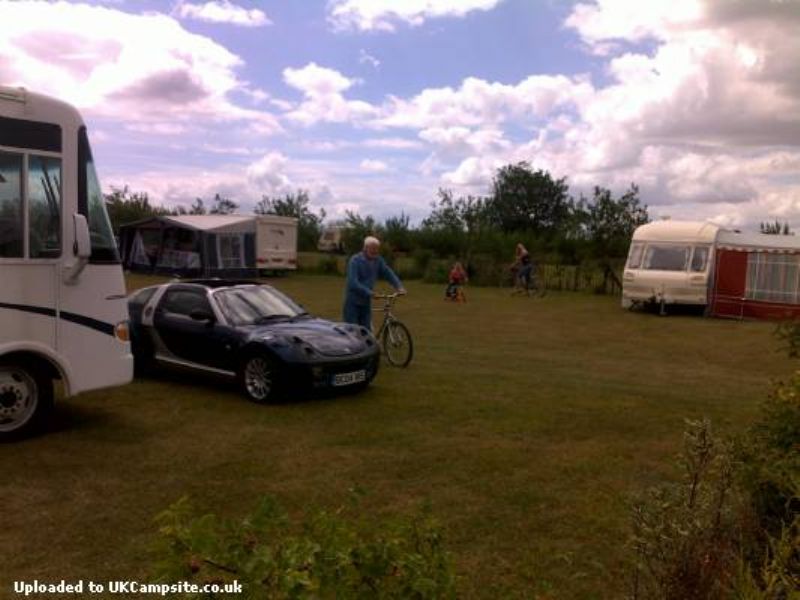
350	378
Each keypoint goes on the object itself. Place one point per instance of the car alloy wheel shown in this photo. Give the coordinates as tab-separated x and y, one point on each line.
19	398
259	378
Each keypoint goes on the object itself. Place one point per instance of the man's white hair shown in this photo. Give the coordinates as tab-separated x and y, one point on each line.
371	241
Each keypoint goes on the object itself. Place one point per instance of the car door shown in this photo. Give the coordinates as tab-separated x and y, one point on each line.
203	342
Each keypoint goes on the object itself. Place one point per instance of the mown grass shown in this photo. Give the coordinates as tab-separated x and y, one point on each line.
527	424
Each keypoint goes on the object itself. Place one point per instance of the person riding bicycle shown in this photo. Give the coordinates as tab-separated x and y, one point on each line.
363	269
522	268
456	279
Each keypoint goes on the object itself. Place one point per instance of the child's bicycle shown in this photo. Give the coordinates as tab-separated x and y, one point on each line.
393	335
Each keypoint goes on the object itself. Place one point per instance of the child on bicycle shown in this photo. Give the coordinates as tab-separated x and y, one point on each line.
456	279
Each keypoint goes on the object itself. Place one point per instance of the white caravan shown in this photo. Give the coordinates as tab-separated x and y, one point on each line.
276	243
670	262
63	313
331	239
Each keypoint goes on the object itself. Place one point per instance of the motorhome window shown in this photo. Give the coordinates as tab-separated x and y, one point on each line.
92	205
183	302
231	250
773	277
665	257
32	135
699	259
11	215
635	256
44	207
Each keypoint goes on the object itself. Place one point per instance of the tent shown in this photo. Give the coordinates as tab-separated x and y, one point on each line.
757	276
191	245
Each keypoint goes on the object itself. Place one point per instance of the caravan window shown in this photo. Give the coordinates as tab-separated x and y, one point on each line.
666	257
11	221
773	277
635	256
44	207
699	259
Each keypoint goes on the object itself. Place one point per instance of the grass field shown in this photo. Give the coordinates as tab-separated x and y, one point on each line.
527	424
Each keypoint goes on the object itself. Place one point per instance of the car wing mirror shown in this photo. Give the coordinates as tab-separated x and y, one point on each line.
81	249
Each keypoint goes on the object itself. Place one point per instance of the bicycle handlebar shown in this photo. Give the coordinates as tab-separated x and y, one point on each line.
387	296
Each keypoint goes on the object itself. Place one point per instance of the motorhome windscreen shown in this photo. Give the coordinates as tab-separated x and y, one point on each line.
92	204
666	257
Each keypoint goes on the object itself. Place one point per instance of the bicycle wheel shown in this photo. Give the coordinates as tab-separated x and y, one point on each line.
397	344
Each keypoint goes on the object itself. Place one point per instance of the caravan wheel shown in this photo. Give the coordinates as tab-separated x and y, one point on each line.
26	398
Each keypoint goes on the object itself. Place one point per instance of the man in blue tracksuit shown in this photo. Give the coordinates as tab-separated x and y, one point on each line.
363	270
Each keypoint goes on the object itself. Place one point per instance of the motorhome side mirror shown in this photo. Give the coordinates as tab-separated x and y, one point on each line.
201	314
83	242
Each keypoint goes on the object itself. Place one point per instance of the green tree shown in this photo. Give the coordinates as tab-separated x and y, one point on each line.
297	205
125	206
397	232
776	228
223	206
356	229
198	207
609	223
528	200
455	224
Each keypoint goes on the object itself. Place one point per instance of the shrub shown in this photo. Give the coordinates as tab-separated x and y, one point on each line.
422	256
328	265
327	555
770	465
685	535
437	271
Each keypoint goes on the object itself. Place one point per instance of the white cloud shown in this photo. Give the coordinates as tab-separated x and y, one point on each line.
392	143
314	80
473	173
479	103
374	166
324	102
384	15
223	11
269	173
364	58
138	68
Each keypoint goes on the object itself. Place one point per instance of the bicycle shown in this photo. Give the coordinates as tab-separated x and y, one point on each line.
394	335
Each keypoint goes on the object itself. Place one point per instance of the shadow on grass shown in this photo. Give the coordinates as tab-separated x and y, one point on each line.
188	381
671	310
74	416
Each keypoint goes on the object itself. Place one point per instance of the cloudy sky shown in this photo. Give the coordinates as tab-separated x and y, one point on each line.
372	105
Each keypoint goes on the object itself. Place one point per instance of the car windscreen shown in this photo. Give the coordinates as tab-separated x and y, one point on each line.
252	305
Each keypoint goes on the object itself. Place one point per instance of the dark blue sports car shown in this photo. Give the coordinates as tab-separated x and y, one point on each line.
251	332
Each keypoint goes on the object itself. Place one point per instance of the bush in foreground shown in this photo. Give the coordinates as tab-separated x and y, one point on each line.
326	555
730	528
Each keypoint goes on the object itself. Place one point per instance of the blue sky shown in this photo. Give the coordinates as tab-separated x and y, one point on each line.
372	105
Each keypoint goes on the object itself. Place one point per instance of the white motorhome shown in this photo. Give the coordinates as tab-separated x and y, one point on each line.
276	243
63	313
670	262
